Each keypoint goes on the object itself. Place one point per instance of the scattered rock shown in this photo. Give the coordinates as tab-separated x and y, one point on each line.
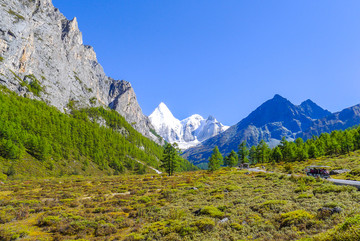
340	171
192	188
224	220
117	194
327	212
337	210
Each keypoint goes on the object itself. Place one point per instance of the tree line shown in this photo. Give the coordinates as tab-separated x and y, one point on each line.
337	142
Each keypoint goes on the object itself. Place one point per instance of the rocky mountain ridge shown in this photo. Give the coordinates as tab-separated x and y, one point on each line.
341	120
42	56
274	119
186	133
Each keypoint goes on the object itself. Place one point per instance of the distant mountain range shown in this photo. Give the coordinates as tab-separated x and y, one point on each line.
186	133
274	119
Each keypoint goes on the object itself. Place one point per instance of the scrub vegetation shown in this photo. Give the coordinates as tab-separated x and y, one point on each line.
228	204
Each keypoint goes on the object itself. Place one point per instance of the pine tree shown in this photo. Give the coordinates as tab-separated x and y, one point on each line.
313	151
287	150
231	160
262	151
301	154
243	152
252	155
347	142
216	160
276	154
170	159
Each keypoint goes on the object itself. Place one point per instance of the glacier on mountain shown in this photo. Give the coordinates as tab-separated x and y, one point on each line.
186	133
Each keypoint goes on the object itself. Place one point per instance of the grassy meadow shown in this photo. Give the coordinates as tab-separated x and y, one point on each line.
229	204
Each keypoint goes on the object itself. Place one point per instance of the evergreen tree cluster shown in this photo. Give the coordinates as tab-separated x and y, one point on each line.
92	134
337	142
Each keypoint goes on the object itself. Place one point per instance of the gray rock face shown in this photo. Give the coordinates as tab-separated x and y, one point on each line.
37	40
123	99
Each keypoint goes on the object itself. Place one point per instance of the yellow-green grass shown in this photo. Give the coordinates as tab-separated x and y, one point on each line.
188	206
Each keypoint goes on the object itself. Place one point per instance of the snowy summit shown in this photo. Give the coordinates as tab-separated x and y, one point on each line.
186	133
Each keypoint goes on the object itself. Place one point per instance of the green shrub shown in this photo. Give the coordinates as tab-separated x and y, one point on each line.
49	221
333	205
326	188
205	224
144	199
134	237
93	100
212	212
105	229
237	226
347	231
295	218
351	223
304	195
3	177
272	204
16	15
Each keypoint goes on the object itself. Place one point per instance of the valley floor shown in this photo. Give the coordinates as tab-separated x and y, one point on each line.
226	205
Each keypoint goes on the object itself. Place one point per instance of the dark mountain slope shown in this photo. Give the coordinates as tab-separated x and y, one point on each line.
271	121
342	120
312	110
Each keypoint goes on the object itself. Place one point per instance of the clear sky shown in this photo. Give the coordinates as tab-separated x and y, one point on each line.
225	58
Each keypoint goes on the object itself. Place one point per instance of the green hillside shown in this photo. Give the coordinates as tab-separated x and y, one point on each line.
37	140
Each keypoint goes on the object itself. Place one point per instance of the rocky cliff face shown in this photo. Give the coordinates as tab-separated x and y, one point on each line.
42	50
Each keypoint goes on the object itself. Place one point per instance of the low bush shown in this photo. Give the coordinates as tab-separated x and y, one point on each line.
212	212
327	188
205	224
295	218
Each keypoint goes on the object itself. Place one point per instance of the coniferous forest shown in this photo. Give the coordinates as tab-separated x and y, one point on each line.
30	128
337	142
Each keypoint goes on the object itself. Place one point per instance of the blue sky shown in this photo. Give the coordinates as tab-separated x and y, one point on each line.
225	58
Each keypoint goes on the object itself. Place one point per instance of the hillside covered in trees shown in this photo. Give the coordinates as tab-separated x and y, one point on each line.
39	140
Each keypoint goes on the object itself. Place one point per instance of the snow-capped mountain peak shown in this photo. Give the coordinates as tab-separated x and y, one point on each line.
165	124
162	113
186	133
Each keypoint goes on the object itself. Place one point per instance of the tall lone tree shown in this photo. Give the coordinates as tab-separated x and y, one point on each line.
231	160
170	159
216	160
243	152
